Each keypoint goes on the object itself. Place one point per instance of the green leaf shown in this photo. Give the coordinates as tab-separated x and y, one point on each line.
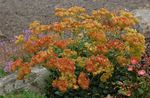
2	73
1	97
59	93
141	91
121	92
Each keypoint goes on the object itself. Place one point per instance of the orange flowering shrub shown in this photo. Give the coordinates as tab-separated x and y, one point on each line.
80	47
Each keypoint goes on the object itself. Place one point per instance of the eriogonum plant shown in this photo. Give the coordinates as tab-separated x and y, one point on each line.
80	47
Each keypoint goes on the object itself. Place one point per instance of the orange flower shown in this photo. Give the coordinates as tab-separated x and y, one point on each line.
24	70
62	43
29	46
57	27
70	23
43	41
65	65
16	64
90	67
62	64
97	64
62	85
83	81
122	61
60	12
102	60
45	28
91	25
37	28
102	48
116	44
33	46
98	36
124	21
52	63
34	24
39	57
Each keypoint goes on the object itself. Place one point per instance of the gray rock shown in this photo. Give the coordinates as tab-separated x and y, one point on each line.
148	46
36	82
144	25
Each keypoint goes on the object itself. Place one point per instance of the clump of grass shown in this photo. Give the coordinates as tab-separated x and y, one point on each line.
23	94
2	73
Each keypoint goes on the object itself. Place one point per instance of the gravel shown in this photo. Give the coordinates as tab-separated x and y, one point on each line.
15	15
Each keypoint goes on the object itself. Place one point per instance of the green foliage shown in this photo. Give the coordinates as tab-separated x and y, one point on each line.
23	94
143	90
2	73
97	89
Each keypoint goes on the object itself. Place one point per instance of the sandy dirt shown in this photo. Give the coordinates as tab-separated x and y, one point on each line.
15	15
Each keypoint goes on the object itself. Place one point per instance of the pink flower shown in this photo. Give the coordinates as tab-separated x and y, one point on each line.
133	61
130	68
141	72
128	93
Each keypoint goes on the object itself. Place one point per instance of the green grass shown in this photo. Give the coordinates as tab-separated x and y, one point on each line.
2	73
23	94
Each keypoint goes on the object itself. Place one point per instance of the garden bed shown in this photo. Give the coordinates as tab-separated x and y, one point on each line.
86	55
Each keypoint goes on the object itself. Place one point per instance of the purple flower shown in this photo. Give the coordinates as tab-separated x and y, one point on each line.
2	43
14	49
7	67
41	35
27	34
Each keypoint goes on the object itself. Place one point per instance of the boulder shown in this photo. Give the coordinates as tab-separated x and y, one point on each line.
144	17
35	82
144	25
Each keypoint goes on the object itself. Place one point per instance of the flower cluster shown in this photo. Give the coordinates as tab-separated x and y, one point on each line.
98	44
98	65
140	72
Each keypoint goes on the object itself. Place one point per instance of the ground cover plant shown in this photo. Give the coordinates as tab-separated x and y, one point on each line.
2	73
23	94
88	55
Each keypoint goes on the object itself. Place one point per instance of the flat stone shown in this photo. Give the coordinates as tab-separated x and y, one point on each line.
8	87
36	82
